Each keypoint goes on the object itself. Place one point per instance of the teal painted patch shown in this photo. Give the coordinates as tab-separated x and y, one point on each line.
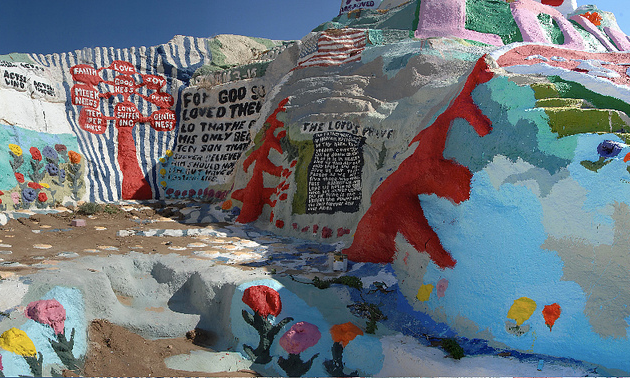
551	28
493	17
515	130
17	57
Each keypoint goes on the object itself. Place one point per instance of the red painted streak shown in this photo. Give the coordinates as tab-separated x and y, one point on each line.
553	3
254	196
395	206
134	185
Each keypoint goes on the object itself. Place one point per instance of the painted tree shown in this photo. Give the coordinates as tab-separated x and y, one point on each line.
255	195
395	207
125	114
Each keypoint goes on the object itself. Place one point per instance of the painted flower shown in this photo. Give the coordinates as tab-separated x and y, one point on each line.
227	205
15	196
551	313
263	300
299	337
1	193
34	185
62	174
191	193
200	192
75	158
169	191
185	193
52	169
344	333
163	183
17	150
177	193
1	367
609	148
49	312
17	341
593	17
163	172
35	154
42	197
44	185
60	148
162	160
169	153
50	153
29	194
211	193
19	177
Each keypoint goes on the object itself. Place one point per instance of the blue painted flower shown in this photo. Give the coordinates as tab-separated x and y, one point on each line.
235	210
62	174
52	169
609	148
29	194
50	153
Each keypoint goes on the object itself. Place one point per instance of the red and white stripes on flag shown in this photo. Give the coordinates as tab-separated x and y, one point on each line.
336	47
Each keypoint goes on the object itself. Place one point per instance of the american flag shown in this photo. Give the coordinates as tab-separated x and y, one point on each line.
335	47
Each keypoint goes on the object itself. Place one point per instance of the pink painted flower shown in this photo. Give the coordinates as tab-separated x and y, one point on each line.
300	337
263	300
49	312
15	196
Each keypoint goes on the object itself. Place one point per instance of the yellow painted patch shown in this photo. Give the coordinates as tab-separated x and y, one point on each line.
17	341
424	293
521	310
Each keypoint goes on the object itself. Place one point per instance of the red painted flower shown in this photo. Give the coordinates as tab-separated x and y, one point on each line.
551	313
42	197
34	185
594	17
263	300
1	193
35	153
19	177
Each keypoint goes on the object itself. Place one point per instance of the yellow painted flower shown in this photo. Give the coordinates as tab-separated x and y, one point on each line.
521	310
17	341
44	185
169	153
163	171
17	150
424	293
162	160
163	183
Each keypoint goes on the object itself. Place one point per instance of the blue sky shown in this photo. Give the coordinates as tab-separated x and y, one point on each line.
45	26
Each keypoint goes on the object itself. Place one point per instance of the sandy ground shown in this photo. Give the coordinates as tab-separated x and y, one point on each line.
35	242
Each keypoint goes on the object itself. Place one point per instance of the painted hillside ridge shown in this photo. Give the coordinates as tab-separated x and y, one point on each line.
483	162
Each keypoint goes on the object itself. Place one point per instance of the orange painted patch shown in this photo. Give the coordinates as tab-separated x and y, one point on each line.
344	333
